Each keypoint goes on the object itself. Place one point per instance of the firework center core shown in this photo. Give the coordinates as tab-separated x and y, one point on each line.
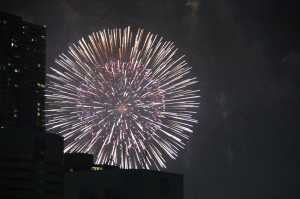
122	108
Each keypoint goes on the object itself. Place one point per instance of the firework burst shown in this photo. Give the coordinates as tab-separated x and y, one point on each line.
123	98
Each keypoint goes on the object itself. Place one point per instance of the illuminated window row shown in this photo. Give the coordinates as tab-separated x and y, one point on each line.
3	21
41	85
14	42
96	168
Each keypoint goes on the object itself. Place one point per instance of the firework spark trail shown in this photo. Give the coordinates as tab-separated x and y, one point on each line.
122	98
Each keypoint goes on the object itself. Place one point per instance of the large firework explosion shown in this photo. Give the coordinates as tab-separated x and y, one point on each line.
122	98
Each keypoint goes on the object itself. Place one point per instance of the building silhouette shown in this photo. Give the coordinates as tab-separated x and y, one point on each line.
31	164
22	73
85	180
31	161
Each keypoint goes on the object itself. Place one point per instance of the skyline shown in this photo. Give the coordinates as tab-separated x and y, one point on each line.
246	57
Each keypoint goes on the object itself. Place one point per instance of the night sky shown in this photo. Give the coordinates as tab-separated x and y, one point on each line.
246	55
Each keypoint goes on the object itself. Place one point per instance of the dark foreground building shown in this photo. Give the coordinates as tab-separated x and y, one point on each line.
22	73
31	165
87	181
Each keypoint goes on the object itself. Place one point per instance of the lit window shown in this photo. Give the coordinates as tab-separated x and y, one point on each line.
71	170
38	65
38	114
15	115
16	85
38	104
12	44
96	168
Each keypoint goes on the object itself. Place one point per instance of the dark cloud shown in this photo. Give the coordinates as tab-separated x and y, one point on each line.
69	13
194	5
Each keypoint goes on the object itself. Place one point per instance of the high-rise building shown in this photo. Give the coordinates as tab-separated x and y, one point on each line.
22	73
